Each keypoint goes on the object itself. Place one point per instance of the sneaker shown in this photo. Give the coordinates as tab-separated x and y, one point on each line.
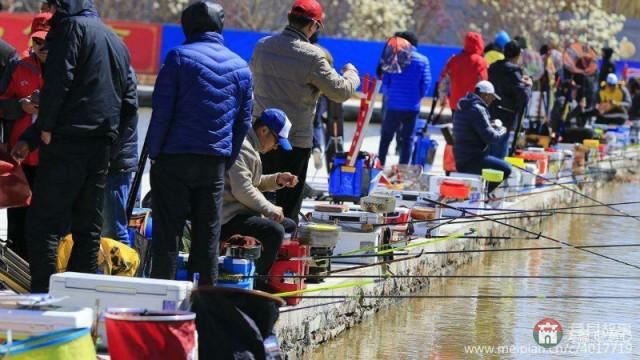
317	158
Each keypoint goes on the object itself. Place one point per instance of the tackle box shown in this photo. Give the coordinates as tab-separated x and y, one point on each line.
285	278
353	216
410	198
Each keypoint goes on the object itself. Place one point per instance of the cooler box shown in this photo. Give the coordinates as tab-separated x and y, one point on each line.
116	291
292	249
26	323
351	242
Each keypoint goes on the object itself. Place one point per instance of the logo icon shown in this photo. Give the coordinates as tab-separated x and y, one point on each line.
547	333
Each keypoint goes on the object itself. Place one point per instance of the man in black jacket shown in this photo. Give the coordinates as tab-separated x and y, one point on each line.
514	89
123	163
79	120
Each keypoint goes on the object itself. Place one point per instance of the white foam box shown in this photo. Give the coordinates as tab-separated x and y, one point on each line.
350	242
529	178
24	323
514	182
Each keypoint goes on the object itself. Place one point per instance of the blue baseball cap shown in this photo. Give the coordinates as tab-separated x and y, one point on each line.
278	122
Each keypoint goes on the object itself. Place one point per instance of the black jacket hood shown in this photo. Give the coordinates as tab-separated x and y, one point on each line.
73	7
203	16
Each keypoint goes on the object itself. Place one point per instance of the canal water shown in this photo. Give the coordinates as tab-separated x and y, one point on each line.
470	328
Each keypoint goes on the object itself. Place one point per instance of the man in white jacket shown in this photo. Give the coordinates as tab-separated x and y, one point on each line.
245	210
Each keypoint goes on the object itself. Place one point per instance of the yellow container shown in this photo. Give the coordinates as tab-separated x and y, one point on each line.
491	175
592	144
517	162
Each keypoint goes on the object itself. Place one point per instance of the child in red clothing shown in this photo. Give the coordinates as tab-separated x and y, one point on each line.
25	84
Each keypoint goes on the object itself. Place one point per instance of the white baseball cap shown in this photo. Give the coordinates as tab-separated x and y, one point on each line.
486	87
612	79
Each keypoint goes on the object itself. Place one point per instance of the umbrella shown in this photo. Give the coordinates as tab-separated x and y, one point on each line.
580	59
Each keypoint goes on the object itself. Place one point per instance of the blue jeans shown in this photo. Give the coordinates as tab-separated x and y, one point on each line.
114	212
488	162
501	148
392	121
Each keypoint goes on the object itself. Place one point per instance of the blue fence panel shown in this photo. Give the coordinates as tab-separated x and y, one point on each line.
363	54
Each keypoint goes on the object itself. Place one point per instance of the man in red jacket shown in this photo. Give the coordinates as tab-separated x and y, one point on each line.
25	84
463	71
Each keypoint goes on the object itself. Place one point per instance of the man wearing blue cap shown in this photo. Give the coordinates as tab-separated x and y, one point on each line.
245	210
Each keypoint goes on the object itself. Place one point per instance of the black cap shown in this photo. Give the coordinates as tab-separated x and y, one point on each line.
511	50
202	16
409	36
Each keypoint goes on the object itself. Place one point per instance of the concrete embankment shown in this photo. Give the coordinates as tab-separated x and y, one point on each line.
311	323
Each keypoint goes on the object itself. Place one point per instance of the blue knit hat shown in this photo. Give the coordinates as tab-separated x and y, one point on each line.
502	38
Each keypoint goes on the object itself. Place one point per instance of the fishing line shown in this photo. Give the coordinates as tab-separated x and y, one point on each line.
392	276
532	233
494	297
580	194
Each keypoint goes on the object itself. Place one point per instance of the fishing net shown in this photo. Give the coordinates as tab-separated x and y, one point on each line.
532	64
396	55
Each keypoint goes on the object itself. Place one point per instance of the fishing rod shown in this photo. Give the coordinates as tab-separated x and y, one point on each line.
306	258
480	297
532	233
392	276
580	193
575	207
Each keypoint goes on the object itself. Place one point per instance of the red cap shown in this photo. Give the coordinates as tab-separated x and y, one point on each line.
308	8
40	25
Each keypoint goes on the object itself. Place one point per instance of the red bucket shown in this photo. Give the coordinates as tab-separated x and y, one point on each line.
135	334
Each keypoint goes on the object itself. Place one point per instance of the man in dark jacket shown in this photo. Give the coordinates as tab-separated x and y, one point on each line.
202	106
607	67
474	131
513	88
124	161
78	122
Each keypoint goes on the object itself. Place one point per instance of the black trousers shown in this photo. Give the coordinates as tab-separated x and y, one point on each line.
296	162
269	232
186	187
68	194
17	219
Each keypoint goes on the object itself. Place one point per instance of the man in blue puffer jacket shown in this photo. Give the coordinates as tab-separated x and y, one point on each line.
404	92
202	105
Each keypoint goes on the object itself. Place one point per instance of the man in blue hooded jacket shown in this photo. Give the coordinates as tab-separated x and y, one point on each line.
474	131
202	105
404	92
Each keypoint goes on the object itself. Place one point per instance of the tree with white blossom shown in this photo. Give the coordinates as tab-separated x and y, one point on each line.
540	21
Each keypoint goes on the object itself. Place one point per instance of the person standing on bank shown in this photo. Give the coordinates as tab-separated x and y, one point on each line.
201	114
513	88
124	161
78	121
246	211
404	92
24	85
290	74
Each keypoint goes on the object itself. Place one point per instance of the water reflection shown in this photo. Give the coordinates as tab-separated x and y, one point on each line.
440	328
